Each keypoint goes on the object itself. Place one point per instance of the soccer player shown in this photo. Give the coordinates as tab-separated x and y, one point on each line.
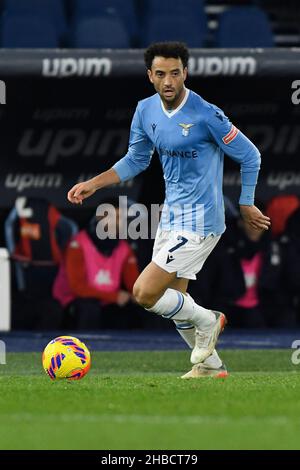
191	137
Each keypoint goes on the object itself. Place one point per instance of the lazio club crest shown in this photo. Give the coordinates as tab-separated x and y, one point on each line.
186	129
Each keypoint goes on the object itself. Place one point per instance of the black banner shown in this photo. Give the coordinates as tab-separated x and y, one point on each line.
55	133
95	63
139	458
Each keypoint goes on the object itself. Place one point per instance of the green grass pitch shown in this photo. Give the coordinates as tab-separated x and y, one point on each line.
136	400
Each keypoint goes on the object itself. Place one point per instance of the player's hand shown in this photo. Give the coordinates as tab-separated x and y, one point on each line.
123	298
255	218
81	191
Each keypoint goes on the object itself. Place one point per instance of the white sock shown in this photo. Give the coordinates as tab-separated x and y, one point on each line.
176	306
187	332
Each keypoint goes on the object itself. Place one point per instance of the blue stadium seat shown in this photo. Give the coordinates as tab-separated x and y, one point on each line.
53	9
124	9
173	28
100	32
192	10
244	27
28	32
194	7
182	8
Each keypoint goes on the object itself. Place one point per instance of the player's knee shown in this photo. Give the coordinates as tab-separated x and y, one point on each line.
142	296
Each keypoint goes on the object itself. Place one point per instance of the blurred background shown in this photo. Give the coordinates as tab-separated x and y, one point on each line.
73	72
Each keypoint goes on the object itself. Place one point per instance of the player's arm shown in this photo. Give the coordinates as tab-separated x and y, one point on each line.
81	191
135	161
237	146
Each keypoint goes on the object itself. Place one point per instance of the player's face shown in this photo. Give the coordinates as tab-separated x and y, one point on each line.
168	77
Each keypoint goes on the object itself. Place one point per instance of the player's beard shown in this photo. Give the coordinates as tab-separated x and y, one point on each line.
172	102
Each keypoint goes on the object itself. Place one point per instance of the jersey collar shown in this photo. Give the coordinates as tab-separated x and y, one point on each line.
169	115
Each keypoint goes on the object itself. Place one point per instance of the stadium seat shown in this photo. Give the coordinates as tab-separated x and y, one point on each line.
28	32
191	10
100	32
52	9
173	28
125	10
244	27
194	7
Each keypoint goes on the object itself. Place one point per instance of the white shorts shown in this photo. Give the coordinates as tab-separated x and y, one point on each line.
182	252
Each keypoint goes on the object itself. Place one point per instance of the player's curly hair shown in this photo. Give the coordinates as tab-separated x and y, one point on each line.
176	50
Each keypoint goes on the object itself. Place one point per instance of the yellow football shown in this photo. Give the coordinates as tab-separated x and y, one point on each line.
66	357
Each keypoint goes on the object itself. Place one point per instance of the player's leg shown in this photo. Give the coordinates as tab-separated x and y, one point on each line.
200	339
213	365
151	285
152	291
157	291
176	256
185	329
181	284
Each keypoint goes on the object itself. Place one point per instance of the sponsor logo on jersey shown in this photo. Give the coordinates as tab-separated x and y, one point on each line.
231	135
153	127
179	153
186	129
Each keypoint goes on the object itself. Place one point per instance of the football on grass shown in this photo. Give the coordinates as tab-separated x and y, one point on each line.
66	357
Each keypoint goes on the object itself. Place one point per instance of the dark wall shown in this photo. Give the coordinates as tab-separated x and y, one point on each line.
56	132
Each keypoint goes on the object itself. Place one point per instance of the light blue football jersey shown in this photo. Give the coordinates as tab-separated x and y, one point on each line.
191	141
